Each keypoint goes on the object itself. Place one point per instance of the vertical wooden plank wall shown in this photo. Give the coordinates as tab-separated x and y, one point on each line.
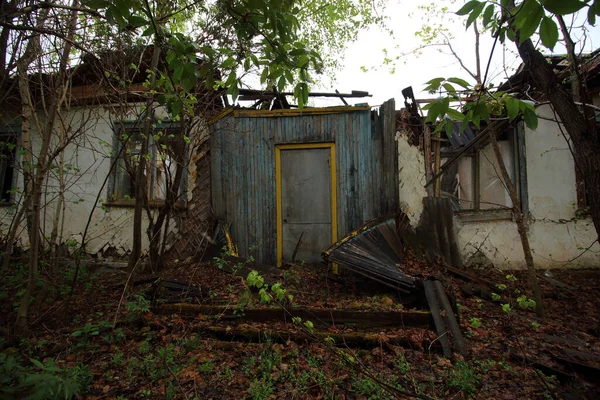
243	170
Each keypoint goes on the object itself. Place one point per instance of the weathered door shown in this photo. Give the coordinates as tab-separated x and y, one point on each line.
306	201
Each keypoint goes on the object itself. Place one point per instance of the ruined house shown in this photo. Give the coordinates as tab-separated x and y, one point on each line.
541	166
286	183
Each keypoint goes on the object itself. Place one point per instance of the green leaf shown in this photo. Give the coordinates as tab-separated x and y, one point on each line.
149	31
228	62
137	21
523	11
449	127
488	14
460	82
435	81
289	76
188	83
96	4
530	118
433	112
281	83
591	16
444	106
455	114
563	7
531	22
467	8
264	75
475	13
449	88
512	107
549	32
595	7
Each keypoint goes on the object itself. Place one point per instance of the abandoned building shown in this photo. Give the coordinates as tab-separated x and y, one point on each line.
286	183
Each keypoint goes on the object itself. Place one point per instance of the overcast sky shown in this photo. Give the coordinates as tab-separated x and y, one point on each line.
406	19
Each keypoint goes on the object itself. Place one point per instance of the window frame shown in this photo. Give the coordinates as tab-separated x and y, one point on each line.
118	144
13	132
477	214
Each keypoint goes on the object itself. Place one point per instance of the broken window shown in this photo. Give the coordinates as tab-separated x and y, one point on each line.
8	146
166	153
474	181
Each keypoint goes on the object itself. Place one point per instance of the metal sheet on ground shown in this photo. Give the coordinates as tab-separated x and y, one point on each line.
374	250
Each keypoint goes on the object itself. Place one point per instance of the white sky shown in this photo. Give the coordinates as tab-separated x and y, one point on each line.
406	19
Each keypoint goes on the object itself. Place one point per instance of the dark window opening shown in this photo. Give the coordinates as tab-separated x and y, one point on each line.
166	153
8	151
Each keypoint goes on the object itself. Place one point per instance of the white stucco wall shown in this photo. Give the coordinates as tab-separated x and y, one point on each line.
557	236
411	170
90	159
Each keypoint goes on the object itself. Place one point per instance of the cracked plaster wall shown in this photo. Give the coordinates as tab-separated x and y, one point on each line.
411	178
111	228
556	234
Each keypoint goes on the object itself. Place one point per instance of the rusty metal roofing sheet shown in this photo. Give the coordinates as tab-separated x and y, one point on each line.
374	250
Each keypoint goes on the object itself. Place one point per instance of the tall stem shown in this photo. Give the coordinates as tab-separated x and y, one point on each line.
521	228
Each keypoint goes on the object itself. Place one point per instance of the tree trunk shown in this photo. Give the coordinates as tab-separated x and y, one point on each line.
38	178
160	227
27	113
521	228
582	131
140	183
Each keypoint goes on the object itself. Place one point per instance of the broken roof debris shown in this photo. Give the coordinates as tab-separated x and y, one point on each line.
375	250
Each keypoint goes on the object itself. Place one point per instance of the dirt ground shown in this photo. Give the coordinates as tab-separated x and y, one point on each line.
117	341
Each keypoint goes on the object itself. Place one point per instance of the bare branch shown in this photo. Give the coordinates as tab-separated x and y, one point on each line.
50	33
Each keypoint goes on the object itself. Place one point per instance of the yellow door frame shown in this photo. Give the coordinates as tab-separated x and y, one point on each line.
332	168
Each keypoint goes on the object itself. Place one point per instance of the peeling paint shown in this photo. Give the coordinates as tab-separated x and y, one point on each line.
557	236
411	178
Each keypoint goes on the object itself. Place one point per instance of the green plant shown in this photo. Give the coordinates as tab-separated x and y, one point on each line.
117	358
255	280
87	330
402	366
476	322
42	380
227	374
367	387
525	302
249	365
206	367
260	389
464	378
116	336
190	344
137	307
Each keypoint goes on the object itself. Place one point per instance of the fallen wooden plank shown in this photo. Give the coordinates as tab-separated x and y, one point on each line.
353	339
437	317
546	369
469	276
318	316
450	318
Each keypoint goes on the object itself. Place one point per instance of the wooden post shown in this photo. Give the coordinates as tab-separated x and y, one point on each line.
437	163
427	154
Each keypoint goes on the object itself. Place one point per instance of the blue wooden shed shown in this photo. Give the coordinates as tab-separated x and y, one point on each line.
291	182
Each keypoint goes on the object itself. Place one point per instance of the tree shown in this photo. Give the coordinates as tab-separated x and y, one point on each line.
209	45
517	22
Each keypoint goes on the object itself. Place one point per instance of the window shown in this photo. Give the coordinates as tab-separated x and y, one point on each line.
474	183
166	153
8	146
